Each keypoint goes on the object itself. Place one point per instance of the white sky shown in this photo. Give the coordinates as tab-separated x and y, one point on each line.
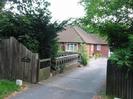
65	9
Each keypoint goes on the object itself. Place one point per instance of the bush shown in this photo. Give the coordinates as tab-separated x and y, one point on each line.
83	55
97	54
121	58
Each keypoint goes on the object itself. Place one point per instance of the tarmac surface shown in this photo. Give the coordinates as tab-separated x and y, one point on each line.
80	83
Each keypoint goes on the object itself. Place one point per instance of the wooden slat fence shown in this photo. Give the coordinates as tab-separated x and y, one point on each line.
119	82
17	62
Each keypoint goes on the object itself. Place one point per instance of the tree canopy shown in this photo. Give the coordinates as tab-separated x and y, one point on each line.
113	19
31	24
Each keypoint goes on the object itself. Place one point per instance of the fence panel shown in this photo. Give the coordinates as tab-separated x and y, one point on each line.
119	82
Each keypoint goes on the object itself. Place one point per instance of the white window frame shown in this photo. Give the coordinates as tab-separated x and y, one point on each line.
98	47
71	47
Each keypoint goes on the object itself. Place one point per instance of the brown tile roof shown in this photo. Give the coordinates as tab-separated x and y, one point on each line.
76	34
69	35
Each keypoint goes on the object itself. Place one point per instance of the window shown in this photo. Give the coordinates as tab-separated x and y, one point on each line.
71	47
98	47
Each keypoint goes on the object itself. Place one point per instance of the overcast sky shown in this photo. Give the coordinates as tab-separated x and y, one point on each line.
65	9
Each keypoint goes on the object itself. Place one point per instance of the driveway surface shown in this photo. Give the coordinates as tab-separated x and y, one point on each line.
80	83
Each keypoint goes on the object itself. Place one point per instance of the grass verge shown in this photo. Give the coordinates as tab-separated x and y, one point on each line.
7	87
103	95
107	97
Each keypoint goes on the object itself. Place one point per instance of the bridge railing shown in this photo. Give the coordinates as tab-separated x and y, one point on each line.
61	62
56	65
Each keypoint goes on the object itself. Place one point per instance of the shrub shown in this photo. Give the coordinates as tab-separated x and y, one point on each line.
83	54
97	54
121	57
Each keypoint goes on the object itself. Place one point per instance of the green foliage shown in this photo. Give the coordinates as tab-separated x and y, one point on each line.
124	57
7	87
113	19
121	57
32	26
116	35
107	97
60	49
97	54
30	43
83	54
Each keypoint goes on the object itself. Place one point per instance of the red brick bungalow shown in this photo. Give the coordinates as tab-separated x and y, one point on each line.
71	38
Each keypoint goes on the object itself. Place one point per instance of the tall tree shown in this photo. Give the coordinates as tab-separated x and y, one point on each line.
113	18
31	24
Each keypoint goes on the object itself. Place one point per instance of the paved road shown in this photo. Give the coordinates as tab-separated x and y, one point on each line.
82	83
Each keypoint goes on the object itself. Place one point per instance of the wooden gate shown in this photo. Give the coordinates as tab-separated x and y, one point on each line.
17	62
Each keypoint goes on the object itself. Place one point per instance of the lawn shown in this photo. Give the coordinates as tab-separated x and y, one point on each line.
7	87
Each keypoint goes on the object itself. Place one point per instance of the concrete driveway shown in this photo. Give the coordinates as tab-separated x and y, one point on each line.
80	83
